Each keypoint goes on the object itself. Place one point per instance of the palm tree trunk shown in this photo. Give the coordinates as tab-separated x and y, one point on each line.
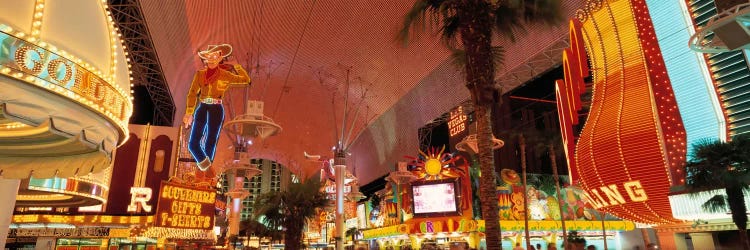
743	238
487	182
604	229
522	146
736	202
553	163
476	37
293	236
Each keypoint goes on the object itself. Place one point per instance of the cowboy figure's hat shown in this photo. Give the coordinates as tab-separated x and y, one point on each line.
225	49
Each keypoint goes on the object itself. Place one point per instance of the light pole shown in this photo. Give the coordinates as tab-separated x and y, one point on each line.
341	151
239	169
242	129
339	165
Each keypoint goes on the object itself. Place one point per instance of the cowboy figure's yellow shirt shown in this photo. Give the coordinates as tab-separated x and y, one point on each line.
216	88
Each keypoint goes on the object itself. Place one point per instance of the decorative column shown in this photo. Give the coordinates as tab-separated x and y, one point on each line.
704	241
9	189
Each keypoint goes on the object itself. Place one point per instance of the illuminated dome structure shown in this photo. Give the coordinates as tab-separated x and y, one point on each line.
64	106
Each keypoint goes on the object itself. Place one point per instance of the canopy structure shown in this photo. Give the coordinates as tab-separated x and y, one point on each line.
298	54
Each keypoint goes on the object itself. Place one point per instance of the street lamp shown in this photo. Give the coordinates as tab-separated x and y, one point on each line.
242	130
340	152
239	169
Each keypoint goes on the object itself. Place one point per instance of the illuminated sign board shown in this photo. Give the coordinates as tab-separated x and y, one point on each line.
381	232
331	189
138	198
59	232
434	198
633	141
82	219
50	70
457	121
185	207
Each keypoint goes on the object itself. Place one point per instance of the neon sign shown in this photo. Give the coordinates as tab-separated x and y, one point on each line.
139	196
633	139
49	70
633	189
185	207
568	92
457	121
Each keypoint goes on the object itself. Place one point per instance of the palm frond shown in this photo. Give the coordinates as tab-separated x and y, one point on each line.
512	16
498	55
449	30
712	165
717	204
547	12
458	59
711	150
416	19
741	144
293	206
508	19
547	184
701	177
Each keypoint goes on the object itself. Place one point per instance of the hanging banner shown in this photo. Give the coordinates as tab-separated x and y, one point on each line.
185	207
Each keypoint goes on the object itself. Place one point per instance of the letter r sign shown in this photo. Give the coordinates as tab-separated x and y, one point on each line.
139	195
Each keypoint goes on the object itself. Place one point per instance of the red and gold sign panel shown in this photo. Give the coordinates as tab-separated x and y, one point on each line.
185	207
631	146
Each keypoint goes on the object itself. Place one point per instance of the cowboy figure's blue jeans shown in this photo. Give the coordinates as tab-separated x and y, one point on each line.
207	122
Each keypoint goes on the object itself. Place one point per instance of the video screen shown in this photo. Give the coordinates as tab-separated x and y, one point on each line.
434	198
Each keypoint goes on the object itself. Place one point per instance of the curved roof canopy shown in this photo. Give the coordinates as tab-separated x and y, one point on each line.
300	53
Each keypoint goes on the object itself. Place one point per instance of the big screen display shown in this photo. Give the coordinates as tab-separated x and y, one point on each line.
434	198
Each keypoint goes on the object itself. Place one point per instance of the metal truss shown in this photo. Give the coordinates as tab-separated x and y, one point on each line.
542	61
731	23
424	133
144	61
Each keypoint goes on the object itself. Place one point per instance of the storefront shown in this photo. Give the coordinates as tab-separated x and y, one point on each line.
68	237
470	233
437	210
184	218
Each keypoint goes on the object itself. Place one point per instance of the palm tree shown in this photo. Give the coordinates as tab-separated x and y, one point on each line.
522	147
291	209
546	140
473	22
722	165
252	227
